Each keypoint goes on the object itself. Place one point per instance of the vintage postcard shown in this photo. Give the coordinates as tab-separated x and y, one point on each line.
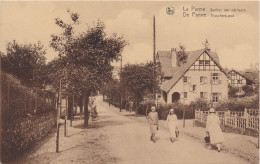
158	82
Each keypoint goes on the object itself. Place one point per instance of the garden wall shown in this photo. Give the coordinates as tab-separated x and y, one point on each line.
22	134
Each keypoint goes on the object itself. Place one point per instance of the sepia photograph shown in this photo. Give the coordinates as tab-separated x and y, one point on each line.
129	82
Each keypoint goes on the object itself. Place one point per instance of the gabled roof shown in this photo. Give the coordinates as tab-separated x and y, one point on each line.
251	76
192	57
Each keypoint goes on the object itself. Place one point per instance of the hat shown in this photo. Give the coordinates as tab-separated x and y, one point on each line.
212	110
153	107
171	110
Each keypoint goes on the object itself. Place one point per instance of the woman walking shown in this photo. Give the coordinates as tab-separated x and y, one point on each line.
214	130
153	121
172	122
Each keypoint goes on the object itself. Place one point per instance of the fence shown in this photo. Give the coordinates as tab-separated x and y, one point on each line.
249	119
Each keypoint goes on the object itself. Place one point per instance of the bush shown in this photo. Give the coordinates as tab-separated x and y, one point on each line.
179	108
248	90
21	100
239	104
232	92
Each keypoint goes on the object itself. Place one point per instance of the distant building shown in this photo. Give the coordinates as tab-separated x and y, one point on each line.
240	79
201	76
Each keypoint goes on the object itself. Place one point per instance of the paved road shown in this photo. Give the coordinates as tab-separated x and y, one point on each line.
128	141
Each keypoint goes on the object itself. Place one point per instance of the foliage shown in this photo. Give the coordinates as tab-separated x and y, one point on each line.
85	58
91	51
179	108
17	101
137	80
248	90
232	92
239	104
26	62
181	55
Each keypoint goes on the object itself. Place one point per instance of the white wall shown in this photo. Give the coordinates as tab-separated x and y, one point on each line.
195	80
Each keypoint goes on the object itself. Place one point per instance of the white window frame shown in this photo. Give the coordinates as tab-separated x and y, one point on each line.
216	78
216	97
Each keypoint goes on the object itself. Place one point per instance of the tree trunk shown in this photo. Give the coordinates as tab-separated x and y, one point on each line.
86	112
80	100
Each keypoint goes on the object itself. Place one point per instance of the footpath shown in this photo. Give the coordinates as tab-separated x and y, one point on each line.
239	145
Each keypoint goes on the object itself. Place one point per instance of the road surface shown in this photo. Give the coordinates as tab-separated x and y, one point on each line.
129	141
115	138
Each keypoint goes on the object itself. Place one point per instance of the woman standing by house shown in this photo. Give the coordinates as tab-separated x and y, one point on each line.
214	130
153	120
172	122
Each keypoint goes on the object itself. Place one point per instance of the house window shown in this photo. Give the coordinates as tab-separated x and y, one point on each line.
239	81
185	79
193	88
201	62
185	95
201	79
215	76
215	97
207	62
201	95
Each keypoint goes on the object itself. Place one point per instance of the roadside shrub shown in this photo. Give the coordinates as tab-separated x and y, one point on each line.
248	90
18	101
232	92
145	107
239	104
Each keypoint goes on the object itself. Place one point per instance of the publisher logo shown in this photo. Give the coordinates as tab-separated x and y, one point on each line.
170	10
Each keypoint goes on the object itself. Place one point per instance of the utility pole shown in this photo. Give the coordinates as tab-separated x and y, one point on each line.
183	116
121	84
58	119
154	62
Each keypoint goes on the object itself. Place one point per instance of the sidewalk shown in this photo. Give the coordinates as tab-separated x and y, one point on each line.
240	145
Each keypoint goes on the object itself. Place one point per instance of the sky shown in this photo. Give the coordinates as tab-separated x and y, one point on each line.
236	39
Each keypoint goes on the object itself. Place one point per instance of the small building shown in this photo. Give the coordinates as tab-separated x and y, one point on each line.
239	79
201	76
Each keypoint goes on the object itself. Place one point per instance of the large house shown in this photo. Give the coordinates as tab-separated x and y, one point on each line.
201	76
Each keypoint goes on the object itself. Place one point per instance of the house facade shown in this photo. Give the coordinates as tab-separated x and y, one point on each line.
201	76
237	79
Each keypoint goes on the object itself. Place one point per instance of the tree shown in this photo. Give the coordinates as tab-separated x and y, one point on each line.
181	55
137	80
86	57
26	62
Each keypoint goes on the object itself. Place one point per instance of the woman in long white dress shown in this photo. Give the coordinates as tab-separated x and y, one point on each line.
214	130
172	123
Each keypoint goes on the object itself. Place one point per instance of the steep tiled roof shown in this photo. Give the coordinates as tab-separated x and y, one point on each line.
177	73
253	76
